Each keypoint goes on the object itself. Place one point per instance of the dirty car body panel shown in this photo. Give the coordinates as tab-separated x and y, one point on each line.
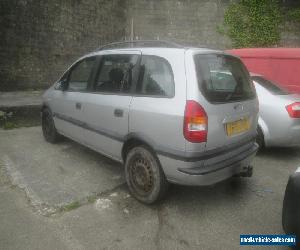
155	112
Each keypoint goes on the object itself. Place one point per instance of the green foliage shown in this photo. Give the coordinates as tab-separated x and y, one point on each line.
9	125
253	23
70	206
9	120
294	15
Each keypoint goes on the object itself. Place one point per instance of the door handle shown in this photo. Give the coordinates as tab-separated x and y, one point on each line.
118	112
78	105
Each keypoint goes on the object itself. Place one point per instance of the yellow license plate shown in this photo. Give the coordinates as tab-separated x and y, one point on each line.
237	127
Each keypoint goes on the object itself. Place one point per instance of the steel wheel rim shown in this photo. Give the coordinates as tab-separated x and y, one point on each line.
141	175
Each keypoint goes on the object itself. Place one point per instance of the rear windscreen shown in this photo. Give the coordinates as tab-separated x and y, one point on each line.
223	78
270	86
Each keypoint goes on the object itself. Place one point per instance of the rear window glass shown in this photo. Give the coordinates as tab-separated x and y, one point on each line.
156	77
270	86
223	78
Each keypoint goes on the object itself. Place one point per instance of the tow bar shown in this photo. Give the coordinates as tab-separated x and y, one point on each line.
248	172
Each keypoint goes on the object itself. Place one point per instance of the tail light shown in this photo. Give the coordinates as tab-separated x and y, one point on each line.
195	122
294	110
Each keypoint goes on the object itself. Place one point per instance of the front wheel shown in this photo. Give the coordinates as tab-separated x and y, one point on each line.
48	127
144	176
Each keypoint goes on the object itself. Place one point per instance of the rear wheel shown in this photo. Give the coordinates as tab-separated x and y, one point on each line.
49	131
144	176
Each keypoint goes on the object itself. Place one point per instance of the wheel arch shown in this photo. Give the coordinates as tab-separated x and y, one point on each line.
133	140
264	129
45	106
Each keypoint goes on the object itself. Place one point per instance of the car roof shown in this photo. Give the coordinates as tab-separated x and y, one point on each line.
151	46
157	49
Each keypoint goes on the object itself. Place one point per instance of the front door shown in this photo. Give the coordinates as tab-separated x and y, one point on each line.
68	109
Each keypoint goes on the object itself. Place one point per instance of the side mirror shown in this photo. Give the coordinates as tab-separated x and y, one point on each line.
61	85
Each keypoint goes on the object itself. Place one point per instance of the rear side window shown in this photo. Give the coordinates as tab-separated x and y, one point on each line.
79	76
156	77
270	86
223	78
116	73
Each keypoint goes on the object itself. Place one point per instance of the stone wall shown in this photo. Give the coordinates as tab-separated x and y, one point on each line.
290	35
190	22
39	39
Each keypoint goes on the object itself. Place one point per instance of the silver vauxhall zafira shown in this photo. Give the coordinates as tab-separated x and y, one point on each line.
169	113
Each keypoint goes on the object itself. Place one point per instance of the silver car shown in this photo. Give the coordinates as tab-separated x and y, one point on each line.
163	110
279	114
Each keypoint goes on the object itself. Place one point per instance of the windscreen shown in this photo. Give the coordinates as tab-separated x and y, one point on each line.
270	86
223	78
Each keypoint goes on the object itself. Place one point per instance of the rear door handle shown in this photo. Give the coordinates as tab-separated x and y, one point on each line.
78	105
118	112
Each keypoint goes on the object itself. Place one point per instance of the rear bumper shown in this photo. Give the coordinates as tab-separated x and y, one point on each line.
284	134
212	170
294	135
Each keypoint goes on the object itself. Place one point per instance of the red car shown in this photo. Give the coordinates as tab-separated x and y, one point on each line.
281	65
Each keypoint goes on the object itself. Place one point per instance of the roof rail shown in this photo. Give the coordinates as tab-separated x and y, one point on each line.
140	43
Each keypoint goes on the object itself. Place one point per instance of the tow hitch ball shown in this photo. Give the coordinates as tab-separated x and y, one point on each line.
248	171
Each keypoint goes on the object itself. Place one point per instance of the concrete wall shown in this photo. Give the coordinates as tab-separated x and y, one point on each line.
39	39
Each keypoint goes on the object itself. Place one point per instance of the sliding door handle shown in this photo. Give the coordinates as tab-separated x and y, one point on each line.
78	105
118	112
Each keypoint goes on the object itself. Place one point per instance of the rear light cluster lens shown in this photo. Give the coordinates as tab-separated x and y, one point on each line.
294	110
195	122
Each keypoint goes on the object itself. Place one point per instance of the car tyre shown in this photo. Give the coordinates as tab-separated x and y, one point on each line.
49	131
144	175
260	138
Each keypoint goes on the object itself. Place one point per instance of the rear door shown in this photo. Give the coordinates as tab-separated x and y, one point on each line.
156	112
107	106
229	98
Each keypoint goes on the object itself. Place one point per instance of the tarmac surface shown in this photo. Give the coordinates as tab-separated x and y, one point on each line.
65	196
